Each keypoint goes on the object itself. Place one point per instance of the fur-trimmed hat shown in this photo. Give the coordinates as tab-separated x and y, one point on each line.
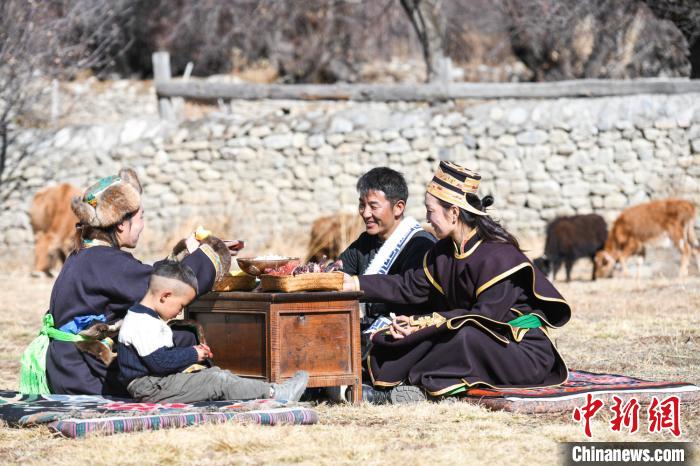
108	201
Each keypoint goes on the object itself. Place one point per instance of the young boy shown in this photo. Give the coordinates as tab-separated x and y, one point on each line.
151	366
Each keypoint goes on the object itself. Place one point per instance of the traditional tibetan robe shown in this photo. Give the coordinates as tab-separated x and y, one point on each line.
468	340
103	280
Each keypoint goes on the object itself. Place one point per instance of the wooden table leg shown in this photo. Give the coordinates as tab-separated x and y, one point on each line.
357	392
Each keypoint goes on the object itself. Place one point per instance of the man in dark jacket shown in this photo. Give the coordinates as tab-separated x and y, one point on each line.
392	243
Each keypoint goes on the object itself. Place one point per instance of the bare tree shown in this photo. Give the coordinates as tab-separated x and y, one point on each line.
425	16
569	39
685	14
39	41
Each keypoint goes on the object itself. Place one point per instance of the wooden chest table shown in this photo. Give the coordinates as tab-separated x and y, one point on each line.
272	335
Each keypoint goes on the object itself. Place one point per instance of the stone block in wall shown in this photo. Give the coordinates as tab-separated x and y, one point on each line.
278	141
580	203
444	131
519	185
356	136
335	139
608	138
325	151
615	201
583	132
509	165
535	171
533	201
517	116
181	155
397	146
558	136
630	165
652	134
506	140
695	146
578	189
555	163
260	131
195	145
665	123
316	140
340	125
545	188
532	137
349	148
638	197
586	144
514	200
566	148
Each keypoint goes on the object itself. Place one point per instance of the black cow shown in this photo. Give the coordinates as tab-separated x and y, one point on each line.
569	239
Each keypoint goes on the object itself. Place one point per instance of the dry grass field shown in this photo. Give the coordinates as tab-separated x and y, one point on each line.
648	328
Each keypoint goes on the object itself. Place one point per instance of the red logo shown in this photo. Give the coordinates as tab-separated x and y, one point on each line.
665	415
625	416
587	412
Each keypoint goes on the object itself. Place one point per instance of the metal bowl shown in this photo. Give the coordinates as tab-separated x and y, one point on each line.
253	266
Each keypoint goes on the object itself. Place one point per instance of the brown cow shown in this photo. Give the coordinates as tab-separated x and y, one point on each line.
53	223
638	225
332	234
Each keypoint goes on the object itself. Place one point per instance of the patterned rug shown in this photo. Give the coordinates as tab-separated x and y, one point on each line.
569	395
81	415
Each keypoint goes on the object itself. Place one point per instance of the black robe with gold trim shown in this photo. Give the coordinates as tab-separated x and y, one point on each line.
478	291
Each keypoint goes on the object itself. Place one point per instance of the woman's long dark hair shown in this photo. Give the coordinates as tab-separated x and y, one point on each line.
487	228
109	234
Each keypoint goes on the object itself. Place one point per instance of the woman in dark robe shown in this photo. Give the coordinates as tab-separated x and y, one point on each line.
492	308
100	281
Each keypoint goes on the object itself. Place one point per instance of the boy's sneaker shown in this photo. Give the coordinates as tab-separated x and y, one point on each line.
291	389
404	394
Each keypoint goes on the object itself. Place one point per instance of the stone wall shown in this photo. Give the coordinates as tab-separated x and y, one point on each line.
263	171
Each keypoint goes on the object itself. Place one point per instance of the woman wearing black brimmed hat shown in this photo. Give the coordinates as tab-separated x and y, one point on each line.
492	308
97	284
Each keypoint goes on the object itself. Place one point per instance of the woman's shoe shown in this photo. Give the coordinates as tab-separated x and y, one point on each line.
373	396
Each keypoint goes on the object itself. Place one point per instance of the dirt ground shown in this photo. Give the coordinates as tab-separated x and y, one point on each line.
647	327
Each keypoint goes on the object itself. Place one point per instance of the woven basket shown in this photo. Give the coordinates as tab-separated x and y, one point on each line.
331	281
235	283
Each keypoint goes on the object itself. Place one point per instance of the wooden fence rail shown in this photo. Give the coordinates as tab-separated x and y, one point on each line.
214	91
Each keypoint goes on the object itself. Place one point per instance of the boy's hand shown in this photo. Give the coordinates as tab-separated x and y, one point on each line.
203	352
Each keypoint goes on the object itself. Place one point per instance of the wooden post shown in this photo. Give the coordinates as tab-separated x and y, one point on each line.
55	101
161	75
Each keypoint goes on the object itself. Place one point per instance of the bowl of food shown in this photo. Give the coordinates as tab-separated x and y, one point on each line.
258	265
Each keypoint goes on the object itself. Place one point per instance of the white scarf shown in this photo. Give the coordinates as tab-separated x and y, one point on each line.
392	247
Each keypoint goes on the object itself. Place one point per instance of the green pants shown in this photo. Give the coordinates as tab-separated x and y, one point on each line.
209	384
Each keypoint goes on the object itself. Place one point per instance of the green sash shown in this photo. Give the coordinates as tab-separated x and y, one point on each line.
524	321
33	363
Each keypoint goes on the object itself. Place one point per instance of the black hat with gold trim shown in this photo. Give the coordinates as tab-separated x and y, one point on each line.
452	183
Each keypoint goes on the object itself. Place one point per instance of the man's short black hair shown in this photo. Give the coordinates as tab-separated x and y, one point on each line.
177	271
391	182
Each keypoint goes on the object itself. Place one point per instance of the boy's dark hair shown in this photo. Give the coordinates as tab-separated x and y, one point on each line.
391	182
176	271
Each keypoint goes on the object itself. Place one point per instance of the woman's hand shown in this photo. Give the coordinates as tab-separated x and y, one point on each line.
349	283
401	327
